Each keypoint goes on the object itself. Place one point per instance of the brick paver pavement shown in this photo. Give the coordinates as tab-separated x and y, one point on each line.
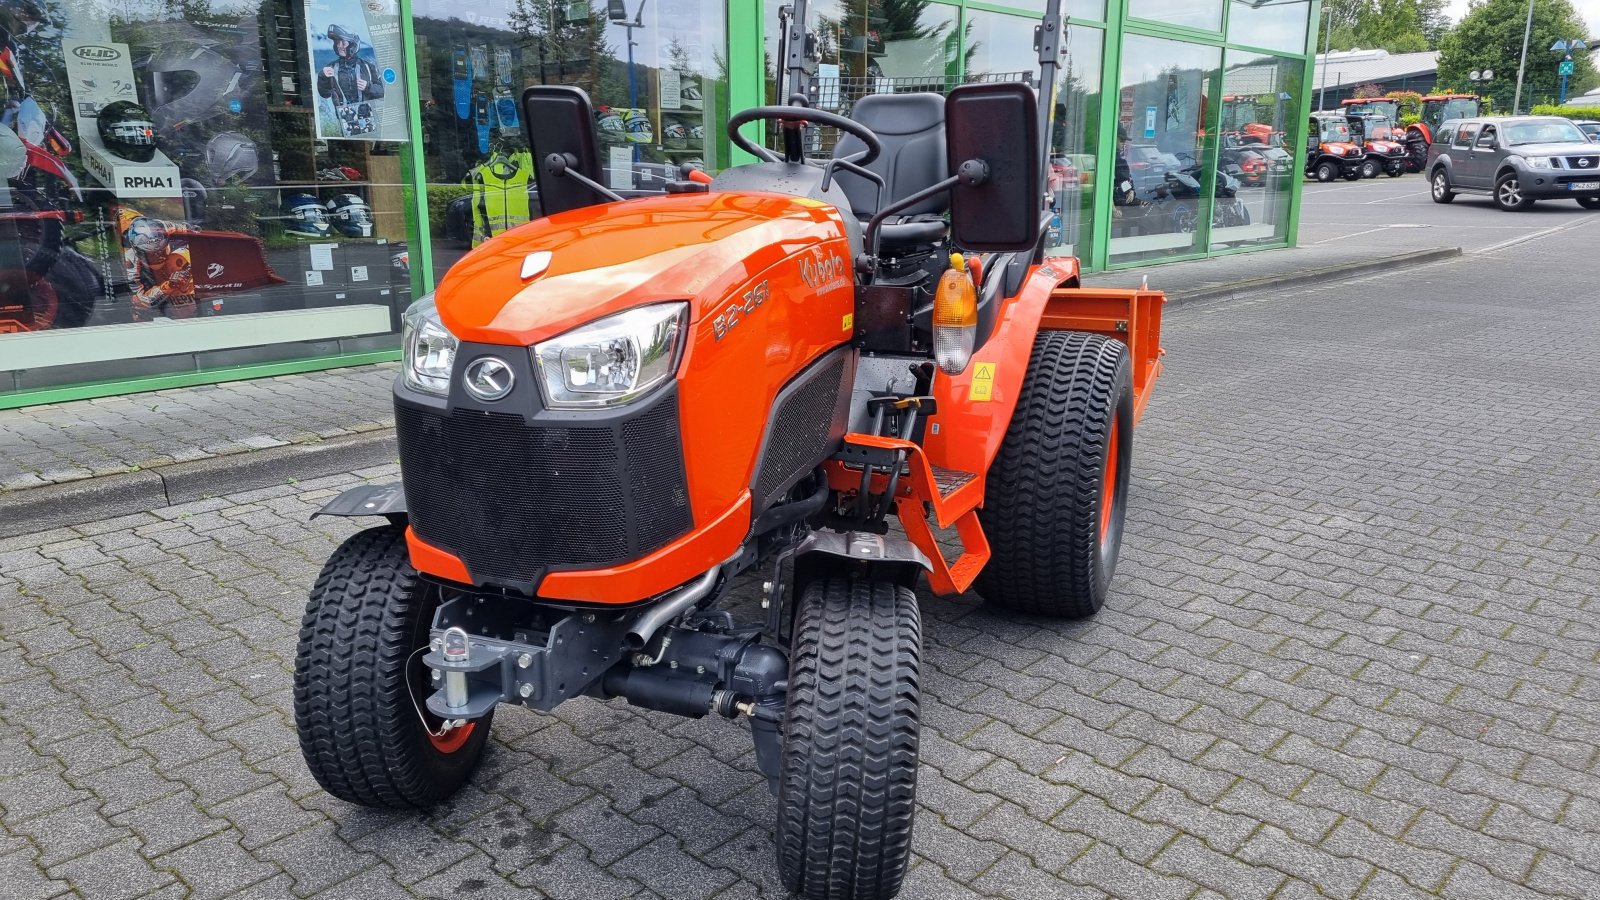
70	441
1351	652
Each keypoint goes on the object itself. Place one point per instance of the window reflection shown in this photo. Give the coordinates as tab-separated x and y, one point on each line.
1165	183
655	70
1269	24
1258	132
1205	15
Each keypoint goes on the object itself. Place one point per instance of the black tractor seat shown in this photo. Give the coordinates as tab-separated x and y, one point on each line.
911	128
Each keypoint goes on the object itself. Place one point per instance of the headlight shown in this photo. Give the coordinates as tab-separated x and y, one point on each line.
1336	151
430	350
613	360
1537	162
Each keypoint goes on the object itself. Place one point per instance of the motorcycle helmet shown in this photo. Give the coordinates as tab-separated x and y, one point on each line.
350	215
231	158
303	216
190	83
341	33
146	234
126	131
194	200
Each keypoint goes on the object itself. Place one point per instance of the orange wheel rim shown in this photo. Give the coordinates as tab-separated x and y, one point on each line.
452	740
1108	491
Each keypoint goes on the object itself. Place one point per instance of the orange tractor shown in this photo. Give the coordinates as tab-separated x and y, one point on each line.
611	415
1436	110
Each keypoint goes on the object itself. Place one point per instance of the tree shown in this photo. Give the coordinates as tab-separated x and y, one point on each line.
1398	26
1490	36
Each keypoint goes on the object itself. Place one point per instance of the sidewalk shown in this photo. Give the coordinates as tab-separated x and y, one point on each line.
73	462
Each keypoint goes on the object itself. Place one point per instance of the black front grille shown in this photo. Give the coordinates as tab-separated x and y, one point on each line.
1583	163
800	430
514	499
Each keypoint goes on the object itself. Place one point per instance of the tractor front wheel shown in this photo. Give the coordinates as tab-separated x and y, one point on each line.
849	764
1057	491
1326	171
359	682
1369	169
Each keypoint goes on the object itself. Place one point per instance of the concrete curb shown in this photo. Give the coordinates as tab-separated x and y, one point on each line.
108	496
1320	275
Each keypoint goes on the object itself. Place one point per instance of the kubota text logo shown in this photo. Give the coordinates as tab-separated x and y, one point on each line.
96	53
819	271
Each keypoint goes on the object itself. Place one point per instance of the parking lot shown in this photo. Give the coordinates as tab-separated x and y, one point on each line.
1351	651
1403	213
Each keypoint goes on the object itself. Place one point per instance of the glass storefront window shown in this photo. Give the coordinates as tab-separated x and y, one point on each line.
1259	131
1269	24
655	71
203	186
871	47
1205	15
1164	171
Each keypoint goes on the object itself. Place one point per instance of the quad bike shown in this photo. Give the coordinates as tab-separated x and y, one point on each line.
608	415
1331	149
1383	151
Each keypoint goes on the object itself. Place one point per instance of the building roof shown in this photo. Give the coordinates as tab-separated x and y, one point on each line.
1352	67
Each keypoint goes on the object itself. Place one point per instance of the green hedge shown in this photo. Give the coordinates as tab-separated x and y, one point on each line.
1570	112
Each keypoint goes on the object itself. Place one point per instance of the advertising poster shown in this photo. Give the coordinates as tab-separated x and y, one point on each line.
354	49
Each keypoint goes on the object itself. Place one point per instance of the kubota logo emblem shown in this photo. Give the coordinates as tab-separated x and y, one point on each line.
488	378
818	271
96	53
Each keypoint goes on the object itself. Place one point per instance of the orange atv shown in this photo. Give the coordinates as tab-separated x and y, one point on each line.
610	414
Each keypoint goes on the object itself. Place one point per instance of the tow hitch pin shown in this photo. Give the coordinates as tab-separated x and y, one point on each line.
455	650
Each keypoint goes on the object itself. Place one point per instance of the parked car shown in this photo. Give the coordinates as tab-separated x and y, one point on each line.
1516	160
1588	127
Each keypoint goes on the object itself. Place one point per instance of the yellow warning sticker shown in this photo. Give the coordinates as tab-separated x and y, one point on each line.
982	381
848	322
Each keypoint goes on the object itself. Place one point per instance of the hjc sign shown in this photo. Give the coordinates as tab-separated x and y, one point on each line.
96	53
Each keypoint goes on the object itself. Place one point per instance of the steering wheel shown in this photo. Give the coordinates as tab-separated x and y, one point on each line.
791	118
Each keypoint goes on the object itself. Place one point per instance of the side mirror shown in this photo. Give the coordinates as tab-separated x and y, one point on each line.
992	138
564	144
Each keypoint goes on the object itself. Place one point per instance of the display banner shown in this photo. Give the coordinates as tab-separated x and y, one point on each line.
355	53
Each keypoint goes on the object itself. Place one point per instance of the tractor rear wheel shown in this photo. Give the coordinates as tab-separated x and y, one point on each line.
849	764
359	682
1057	491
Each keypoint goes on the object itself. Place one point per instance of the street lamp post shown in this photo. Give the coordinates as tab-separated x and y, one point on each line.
617	12
1322	95
1566	48
1522	64
1480	80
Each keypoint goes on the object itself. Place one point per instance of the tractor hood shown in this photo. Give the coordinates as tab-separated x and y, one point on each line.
610	257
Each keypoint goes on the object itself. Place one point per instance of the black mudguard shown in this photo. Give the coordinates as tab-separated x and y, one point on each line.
387	500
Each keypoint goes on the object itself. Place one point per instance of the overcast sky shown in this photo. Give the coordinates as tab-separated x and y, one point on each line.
1589	9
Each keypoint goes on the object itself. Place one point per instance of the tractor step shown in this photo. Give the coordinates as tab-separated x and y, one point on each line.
950	480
